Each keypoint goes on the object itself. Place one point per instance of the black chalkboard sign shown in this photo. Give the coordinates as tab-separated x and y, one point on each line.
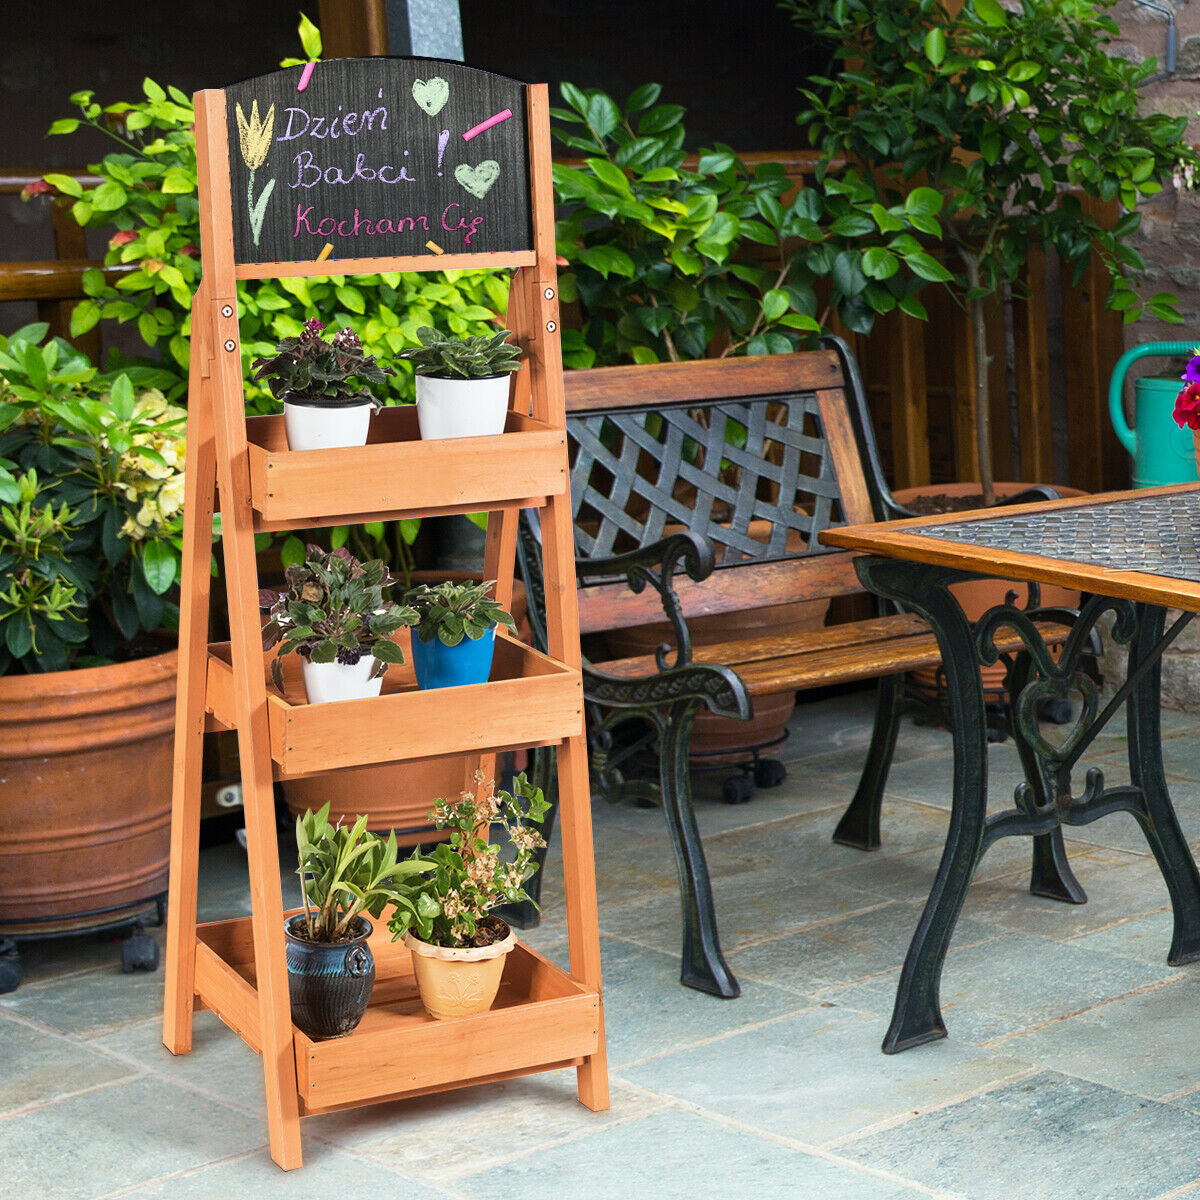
376	158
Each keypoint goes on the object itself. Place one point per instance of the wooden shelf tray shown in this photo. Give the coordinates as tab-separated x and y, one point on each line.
542	1018
530	700
397	472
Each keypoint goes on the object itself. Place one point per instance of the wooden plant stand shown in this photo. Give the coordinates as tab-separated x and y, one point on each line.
544	1018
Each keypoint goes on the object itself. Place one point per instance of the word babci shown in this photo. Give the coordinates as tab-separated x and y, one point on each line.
377	158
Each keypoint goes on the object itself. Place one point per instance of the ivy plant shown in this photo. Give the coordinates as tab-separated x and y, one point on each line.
1000	117
670	263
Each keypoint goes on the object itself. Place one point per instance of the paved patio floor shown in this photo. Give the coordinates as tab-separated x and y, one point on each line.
1072	1070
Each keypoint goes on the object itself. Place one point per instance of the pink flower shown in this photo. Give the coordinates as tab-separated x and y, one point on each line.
121	238
1192	373
39	187
190	249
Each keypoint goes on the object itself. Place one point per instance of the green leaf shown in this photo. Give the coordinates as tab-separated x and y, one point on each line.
775	303
923	201
65	184
63	125
310	38
178	182
108	197
927	267
121	397
642	97
935	46
879	263
291	553
158	566
990	12
602	114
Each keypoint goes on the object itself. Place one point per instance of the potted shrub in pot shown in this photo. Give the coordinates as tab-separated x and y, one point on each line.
91	493
455	632
462	383
334	615
323	405
458	947
346	875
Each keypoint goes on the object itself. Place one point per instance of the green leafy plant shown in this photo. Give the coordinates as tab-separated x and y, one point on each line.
148	195
334	610
671	263
444	356
91	498
318	372
348	872
451	611
450	906
998	118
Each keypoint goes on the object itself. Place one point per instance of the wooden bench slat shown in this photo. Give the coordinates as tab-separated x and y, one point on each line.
837	654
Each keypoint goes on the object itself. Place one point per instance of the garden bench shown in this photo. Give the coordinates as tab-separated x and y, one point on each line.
700	488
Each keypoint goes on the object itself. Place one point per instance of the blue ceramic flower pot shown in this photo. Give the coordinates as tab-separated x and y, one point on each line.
438	665
330	983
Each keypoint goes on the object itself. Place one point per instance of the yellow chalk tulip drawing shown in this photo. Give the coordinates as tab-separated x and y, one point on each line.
254	137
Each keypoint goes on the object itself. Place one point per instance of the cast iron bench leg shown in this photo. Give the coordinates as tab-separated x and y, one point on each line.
703	967
859	826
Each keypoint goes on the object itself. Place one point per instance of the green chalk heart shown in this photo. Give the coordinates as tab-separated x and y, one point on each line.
478	180
431	94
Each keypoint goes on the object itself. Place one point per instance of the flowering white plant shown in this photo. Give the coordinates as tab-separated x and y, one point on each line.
449	907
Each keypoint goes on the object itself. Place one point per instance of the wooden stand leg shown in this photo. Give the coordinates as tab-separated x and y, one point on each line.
583	934
199	500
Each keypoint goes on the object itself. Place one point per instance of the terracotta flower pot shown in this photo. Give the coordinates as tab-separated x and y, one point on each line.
978	595
458	983
85	807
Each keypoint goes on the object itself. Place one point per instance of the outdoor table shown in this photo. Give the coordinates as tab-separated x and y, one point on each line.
1131	554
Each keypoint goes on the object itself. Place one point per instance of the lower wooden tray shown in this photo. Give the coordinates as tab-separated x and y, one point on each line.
542	1019
530	700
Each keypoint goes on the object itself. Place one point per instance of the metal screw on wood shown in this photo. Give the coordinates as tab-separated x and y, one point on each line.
227	310
230	345
551	326
549	293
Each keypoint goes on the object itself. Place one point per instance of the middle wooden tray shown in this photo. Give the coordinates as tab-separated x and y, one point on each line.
397	472
530	700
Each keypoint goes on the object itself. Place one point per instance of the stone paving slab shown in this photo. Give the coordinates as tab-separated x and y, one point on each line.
1049	1137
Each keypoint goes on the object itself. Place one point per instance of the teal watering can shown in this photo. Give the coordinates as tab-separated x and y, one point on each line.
1162	452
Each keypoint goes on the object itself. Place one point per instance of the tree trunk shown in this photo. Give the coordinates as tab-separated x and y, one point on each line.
983	411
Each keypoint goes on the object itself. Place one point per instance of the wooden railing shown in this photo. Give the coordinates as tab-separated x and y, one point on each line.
919	375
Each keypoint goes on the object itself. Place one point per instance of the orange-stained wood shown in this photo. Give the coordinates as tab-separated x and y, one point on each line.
544	1018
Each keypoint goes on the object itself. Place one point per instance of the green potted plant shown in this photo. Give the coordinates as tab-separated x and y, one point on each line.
455	632
346	874
323	405
458	946
462	382
91	494
334	614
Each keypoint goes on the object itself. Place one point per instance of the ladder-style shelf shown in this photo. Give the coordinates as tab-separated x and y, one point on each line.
530	700
396	470
545	1018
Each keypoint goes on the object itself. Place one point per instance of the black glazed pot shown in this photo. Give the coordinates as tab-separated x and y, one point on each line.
330	984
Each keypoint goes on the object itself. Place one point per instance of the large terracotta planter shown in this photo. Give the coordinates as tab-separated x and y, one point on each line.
978	595
85	801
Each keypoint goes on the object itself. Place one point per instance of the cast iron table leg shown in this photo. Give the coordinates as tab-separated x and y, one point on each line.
917	1016
1170	849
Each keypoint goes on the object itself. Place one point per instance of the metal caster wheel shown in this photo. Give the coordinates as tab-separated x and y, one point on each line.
769	773
1058	711
139	952
10	966
737	790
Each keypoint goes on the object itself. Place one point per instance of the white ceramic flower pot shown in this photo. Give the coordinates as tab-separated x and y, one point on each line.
312	428
454	408
324	682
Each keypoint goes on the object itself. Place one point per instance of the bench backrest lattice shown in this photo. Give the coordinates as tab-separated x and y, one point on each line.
758	455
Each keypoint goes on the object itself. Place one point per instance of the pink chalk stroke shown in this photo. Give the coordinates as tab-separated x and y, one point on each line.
305	76
500	116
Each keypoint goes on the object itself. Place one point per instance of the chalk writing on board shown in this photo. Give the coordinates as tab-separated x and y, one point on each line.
378	157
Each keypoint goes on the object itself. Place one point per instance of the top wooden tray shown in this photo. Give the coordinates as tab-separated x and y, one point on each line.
398	474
